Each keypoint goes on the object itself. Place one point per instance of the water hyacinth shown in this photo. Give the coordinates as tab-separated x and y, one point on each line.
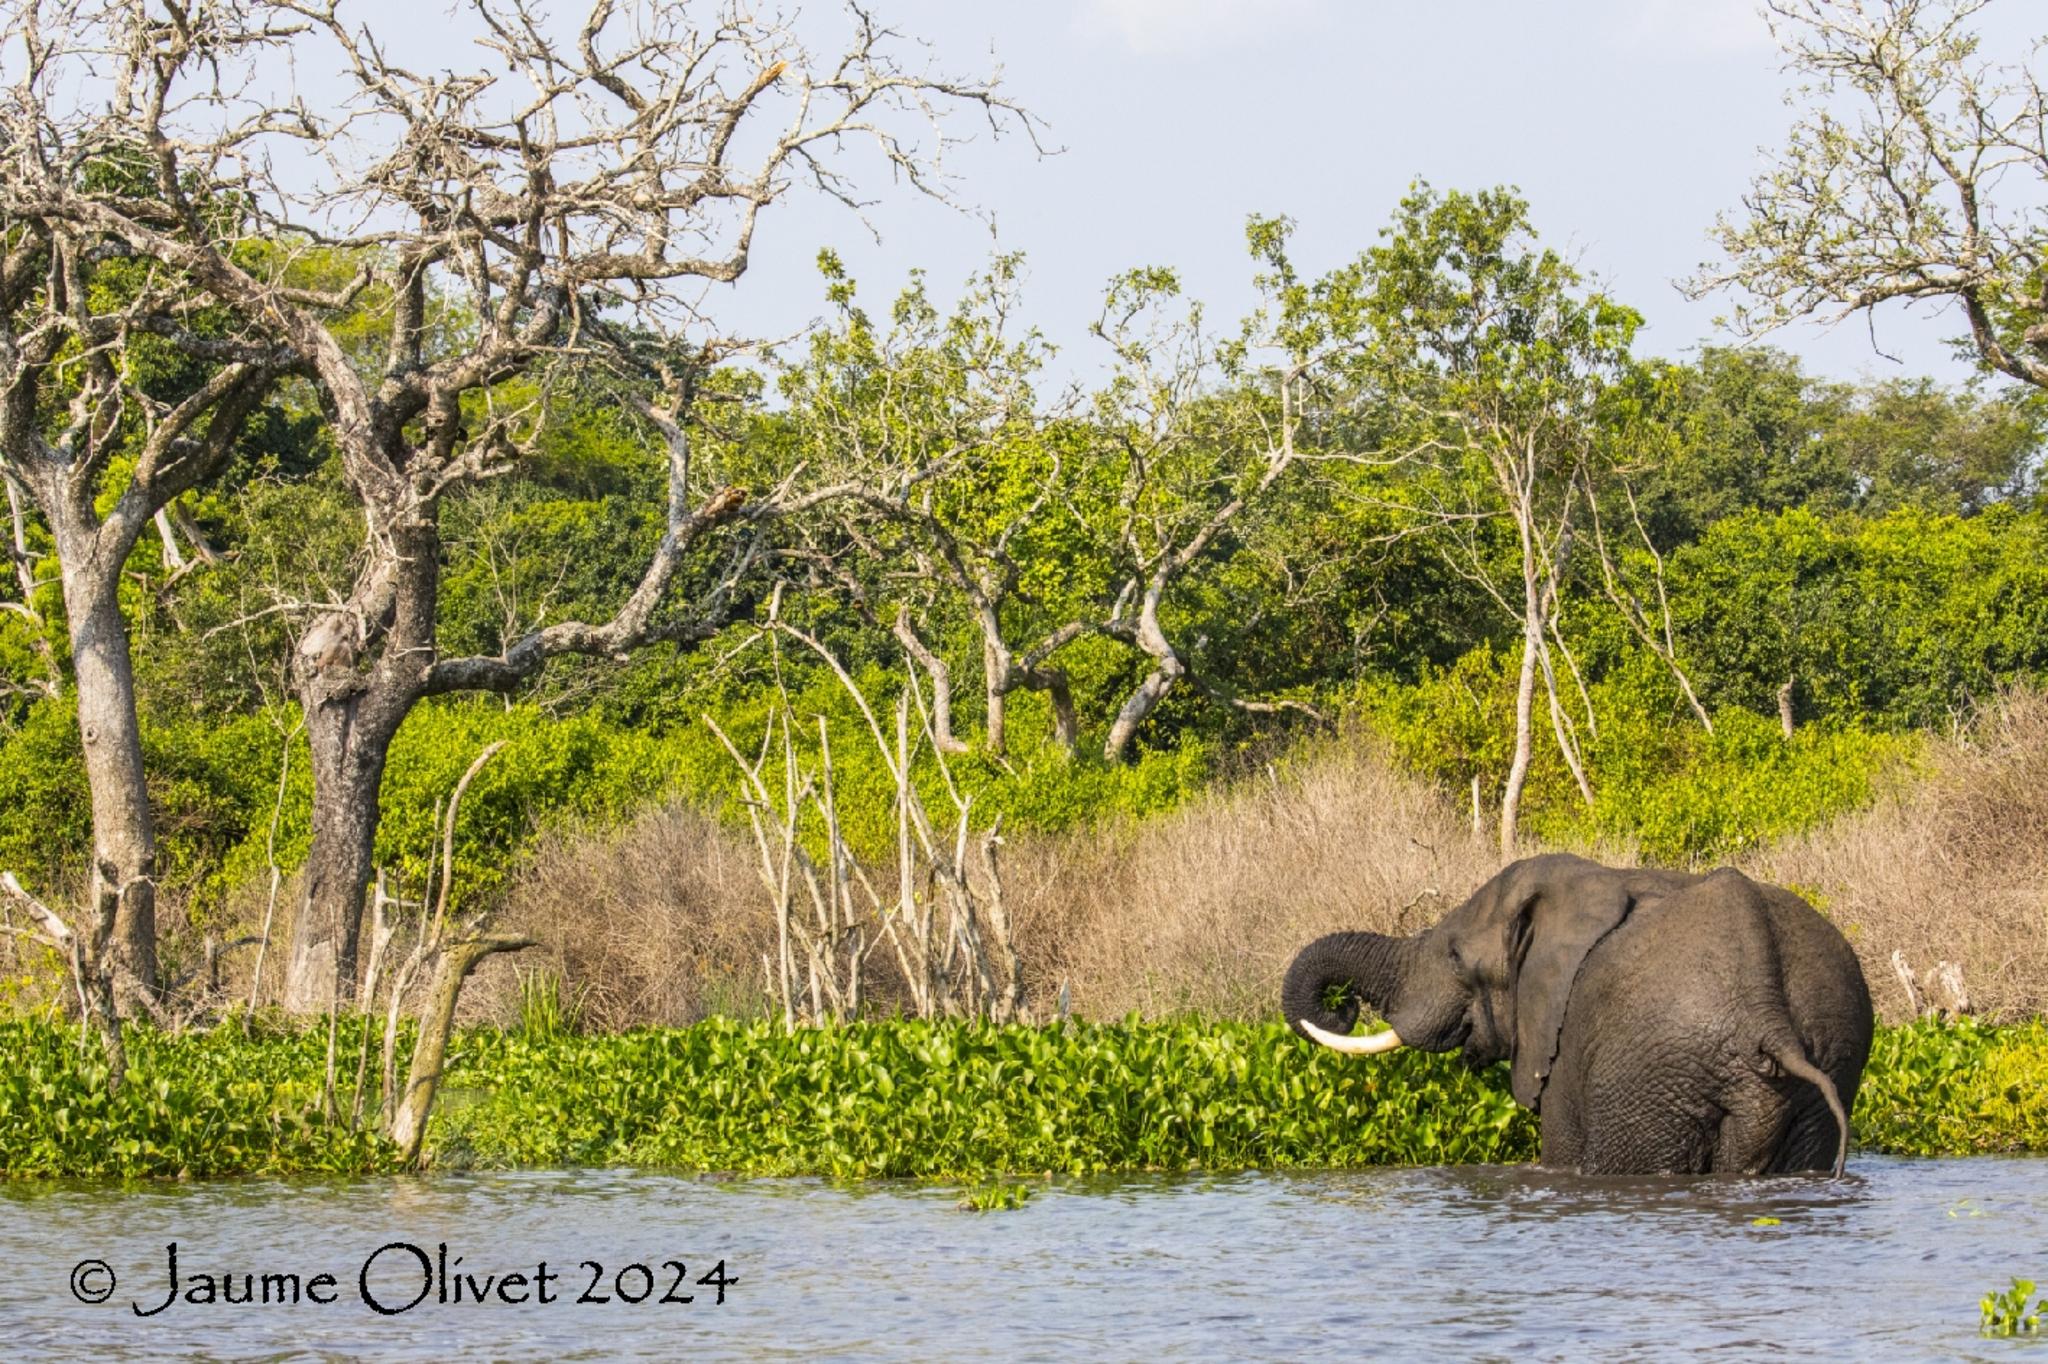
948	1100
951	1099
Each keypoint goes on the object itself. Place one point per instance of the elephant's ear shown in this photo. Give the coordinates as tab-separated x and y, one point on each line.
1555	915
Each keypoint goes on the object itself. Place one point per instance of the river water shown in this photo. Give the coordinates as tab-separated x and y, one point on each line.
1484	1263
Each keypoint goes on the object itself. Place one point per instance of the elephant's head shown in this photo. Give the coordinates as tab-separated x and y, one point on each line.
1491	978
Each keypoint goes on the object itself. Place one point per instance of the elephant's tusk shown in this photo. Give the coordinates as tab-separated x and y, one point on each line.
1371	1045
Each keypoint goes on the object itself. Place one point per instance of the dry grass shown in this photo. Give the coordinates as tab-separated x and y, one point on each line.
660	921
663	920
1951	867
1201	910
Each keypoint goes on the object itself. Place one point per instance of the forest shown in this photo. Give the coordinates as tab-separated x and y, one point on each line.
397	589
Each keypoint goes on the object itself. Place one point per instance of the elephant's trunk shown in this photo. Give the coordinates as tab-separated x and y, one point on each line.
1331	977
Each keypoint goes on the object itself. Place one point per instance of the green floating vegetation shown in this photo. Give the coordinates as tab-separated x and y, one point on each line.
195	1104
951	1100
2009	1313
1955	1089
995	1198
957	1099
969	1102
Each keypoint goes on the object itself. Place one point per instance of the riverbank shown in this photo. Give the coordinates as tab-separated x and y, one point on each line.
888	1099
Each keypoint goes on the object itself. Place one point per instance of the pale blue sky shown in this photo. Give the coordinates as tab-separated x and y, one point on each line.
1627	123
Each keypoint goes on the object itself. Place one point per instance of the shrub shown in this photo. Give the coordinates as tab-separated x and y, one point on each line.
1659	780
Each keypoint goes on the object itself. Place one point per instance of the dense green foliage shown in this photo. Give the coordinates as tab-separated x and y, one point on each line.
216	787
940	1100
1888	624
1658	778
1879	546
1956	1089
205	1103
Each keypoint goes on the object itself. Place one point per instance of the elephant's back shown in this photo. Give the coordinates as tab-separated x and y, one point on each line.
1725	960
1724	939
1678	958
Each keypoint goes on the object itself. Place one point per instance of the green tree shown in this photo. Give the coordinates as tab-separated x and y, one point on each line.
962	503
1494	358
1914	174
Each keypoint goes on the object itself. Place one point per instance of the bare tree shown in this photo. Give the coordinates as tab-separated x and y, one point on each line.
1533	479
80	431
1656	636
953	944
573	177
1915	174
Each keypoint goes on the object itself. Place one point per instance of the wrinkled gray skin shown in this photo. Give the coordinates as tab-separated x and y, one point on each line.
1657	1022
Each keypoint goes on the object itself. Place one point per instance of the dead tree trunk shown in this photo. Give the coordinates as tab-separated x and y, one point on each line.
348	771
437	1024
1785	706
1518	771
454	957
91	972
352	715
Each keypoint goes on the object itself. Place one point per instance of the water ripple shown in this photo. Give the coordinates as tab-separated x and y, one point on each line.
1479	1263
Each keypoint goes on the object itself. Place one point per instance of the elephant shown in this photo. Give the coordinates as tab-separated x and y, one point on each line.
1657	1022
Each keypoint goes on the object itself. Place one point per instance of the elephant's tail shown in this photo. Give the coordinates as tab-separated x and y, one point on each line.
1792	1058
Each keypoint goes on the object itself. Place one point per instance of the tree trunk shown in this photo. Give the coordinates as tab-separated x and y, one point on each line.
1567	742
1066	727
430	1049
351	719
348	774
124	830
1518	774
1785	706
1167	670
942	680
995	677
1140	704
